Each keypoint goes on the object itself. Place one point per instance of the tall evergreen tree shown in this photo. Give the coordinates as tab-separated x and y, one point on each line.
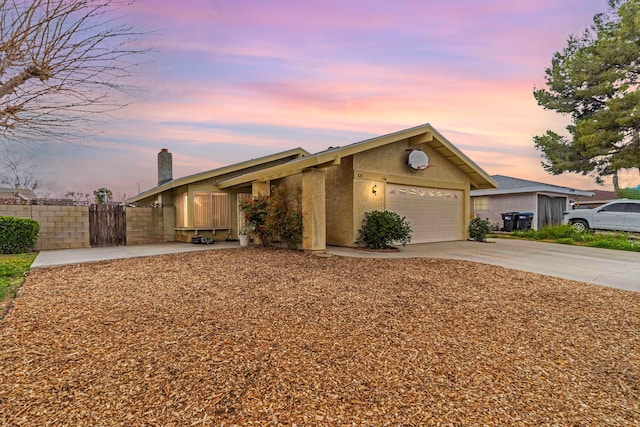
595	80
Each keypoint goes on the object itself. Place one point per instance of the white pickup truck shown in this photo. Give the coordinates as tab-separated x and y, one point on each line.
621	214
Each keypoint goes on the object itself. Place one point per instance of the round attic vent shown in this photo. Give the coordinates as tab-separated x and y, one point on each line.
418	160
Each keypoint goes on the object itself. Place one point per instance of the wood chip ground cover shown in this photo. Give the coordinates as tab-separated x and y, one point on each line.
273	337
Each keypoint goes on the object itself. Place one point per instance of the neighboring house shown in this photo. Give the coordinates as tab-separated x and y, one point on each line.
545	201
20	195
600	197
416	172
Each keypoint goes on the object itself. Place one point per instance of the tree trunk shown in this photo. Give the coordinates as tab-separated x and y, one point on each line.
616	185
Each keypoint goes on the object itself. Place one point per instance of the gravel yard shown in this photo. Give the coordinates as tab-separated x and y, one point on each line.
272	337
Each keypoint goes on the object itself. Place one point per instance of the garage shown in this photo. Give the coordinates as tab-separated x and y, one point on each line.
435	214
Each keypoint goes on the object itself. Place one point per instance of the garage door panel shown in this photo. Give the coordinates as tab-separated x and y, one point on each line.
434	214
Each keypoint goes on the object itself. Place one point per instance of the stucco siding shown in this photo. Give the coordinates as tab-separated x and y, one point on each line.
392	160
499	204
366	201
350	185
339	193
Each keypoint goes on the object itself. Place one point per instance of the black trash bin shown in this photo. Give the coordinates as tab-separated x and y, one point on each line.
524	220
509	220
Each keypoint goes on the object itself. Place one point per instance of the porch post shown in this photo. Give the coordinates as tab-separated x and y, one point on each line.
314	221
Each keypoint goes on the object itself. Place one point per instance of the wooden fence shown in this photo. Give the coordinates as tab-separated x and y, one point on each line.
107	225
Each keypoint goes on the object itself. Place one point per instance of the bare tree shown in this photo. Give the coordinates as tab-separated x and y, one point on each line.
61	63
16	170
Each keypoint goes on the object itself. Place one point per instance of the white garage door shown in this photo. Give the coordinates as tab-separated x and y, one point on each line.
435	214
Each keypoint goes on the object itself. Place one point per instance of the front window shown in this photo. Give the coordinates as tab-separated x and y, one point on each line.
210	210
181	210
480	204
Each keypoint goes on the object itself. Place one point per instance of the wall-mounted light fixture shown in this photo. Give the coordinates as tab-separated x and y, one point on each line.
374	190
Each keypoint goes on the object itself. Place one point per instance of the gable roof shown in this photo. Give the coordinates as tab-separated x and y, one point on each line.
510	185
416	135
22	193
228	171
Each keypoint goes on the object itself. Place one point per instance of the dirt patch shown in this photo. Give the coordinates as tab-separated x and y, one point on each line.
272	337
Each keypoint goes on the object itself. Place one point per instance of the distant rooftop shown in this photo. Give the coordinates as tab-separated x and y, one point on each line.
23	193
511	185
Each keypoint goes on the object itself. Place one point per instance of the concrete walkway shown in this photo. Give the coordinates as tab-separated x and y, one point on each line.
607	267
75	256
618	269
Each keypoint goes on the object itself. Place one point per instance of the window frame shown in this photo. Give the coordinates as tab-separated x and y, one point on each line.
483	201
211	210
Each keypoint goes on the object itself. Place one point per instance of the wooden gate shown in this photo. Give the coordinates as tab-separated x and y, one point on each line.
107	225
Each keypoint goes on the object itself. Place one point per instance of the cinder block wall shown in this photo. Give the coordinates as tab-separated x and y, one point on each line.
61	227
67	227
145	225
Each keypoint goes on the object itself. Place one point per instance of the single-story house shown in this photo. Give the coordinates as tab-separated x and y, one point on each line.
599	198
22	195
545	201
415	172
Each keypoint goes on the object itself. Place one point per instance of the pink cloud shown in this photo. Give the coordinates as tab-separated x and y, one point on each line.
223	70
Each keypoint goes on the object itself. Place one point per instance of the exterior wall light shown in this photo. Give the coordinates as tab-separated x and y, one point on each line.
374	190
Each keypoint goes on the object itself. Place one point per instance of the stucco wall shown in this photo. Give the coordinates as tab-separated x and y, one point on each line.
314	211
61	227
339	193
388	165
366	201
349	185
503	203
293	182
391	160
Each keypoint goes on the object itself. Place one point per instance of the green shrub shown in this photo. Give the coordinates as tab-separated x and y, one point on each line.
381	229
618	241
18	235
277	216
630	193
284	216
551	232
566	234
255	212
478	229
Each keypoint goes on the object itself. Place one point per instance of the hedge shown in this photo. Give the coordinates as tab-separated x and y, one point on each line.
18	235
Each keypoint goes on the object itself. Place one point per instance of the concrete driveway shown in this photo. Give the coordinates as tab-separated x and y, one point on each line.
618	269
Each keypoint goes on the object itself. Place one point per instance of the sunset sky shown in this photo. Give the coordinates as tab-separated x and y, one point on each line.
232	80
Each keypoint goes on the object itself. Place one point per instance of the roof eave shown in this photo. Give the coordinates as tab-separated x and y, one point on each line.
281	171
503	191
299	152
417	135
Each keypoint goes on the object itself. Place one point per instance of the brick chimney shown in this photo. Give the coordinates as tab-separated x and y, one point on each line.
165	166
